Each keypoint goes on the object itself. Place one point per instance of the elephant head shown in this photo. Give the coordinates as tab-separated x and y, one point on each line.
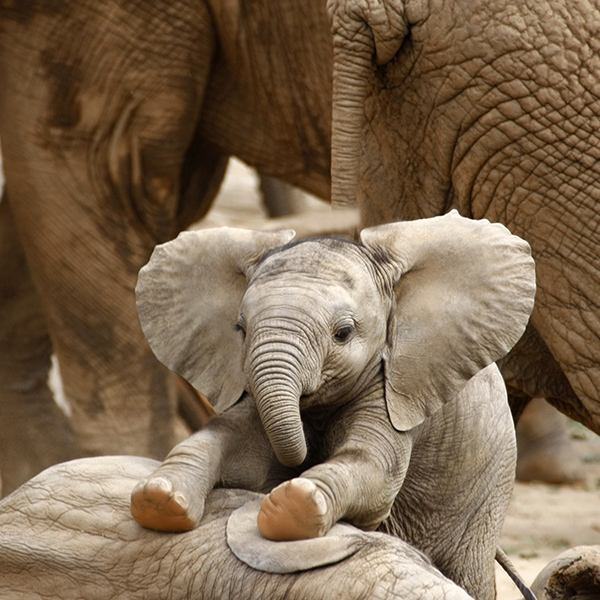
428	302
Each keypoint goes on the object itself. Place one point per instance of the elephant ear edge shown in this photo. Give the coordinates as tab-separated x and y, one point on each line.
188	297
464	294
249	545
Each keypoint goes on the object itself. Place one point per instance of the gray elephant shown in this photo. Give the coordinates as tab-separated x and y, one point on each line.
117	120
371	394
67	534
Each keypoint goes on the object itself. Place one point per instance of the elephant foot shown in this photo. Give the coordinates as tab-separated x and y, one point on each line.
545	450
548	468
294	510
156	503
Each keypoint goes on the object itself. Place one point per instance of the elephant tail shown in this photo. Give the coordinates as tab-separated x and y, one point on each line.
511	571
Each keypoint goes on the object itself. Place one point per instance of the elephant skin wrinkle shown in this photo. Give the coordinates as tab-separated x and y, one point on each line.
106	556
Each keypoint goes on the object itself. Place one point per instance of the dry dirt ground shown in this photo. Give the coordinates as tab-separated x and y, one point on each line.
543	520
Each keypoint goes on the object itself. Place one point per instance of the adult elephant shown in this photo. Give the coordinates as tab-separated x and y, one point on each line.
492	110
116	123
117	120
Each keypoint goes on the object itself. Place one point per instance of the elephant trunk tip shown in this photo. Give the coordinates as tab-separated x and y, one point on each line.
279	410
343	201
292	456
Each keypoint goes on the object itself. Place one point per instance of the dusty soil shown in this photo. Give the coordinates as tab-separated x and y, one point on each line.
543	520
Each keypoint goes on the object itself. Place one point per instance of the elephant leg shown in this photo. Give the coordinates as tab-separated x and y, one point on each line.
232	451
281	199
123	401
545	452
530	371
85	256
104	159
172	497
359	481
34	432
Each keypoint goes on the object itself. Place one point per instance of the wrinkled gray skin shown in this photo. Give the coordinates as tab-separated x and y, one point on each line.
68	534
370	388
117	120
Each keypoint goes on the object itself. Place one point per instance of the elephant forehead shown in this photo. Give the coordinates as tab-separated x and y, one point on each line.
329	260
304	293
316	276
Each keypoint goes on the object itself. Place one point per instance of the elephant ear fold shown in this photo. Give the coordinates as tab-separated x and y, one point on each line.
251	547
464	292
188	298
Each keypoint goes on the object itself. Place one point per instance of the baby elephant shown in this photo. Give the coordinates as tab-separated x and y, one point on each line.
360	375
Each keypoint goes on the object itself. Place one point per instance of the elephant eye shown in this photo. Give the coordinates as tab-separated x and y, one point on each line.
241	325
342	334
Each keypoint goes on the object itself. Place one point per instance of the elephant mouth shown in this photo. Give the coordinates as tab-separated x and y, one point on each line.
309	401
333	392
322	401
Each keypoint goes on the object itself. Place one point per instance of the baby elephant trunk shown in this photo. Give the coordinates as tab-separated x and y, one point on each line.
277	389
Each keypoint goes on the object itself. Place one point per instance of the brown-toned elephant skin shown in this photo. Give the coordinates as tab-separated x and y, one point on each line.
572	575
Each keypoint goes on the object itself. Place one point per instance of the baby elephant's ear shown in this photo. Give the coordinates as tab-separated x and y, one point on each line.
464	293
188	298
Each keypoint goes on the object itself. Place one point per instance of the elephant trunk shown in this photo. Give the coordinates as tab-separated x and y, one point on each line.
364	32
276	386
352	65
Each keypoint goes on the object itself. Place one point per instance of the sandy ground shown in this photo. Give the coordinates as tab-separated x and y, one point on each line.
543	520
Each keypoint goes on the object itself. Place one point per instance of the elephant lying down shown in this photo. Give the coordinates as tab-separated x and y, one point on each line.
68	534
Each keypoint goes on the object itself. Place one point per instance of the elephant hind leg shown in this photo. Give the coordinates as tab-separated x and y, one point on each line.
27	407
545	452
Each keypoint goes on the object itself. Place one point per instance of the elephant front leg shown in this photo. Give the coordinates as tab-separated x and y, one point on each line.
172	498
34	432
231	451
358	483
295	510
350	486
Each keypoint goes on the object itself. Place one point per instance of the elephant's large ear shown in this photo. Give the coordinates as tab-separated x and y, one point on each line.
464	293
188	297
